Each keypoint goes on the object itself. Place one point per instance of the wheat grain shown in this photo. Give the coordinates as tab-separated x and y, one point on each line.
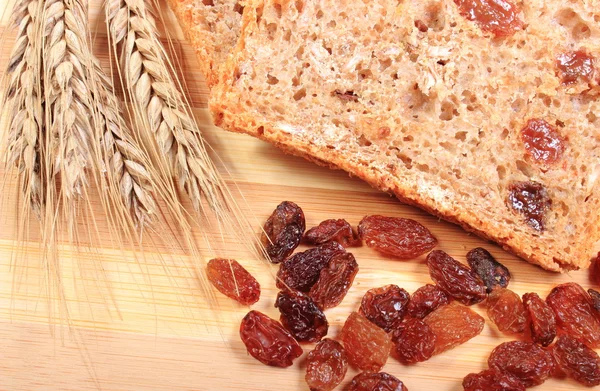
24	103
124	160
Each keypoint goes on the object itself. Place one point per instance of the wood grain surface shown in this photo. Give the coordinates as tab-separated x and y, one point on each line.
144	323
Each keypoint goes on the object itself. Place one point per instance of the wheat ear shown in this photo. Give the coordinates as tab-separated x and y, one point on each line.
24	103
124	160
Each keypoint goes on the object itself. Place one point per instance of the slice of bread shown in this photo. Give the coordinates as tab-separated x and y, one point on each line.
481	127
213	27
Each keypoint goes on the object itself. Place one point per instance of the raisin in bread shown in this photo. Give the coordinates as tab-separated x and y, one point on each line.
213	28
487	117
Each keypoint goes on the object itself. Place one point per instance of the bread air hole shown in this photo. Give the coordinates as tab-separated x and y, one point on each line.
405	160
574	23
448	111
501	170
591	117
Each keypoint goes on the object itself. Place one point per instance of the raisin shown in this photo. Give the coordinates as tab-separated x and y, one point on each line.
334	281
380	381
453	324
595	270
541	319
531	200
577	360
491	380
454	278
525	361
595	296
267	341
232	280
499	17
301	271
385	306
326	366
301	316
283	231
574	313
574	66
492	272
414	341
396	236
425	300
332	230
542	141
367	346
506	310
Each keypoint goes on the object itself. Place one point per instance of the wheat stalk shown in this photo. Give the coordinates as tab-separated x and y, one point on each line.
124	160
24	102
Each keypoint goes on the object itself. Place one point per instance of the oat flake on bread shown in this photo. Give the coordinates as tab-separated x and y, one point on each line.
494	128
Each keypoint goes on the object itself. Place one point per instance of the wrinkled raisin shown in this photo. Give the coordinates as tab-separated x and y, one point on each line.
283	231
542	141
506	310
577	360
499	17
380	381
491	272
491	380
595	269
301	271
301	316
574	313
396	236
453	324
334	281
541	319
595	296
232	280
332	230
425	300
454	278
385	306
367	346
267	341
414	341
326	366
531	200
574	66
525	361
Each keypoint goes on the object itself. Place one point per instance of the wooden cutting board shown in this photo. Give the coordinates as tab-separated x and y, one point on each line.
144	323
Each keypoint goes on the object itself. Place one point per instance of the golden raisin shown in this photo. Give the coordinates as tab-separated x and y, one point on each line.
506	310
232	280
453	325
367	346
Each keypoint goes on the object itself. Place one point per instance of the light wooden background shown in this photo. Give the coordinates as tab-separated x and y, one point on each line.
149	327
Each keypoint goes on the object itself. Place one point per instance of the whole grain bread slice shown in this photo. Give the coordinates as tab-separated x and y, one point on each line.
213	28
417	100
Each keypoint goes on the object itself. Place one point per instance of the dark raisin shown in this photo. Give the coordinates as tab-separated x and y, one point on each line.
531	200
232	280
334	281
453	325
595	269
499	17
574	313
574	66
577	360
506	310
301	271
454	278
414	341
525	361
595	296
283	231
491	380
332	231
326	365
380	381
267	341
542	141
541	319
367	346
425	300
492	272
396	236
301	316
385	306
